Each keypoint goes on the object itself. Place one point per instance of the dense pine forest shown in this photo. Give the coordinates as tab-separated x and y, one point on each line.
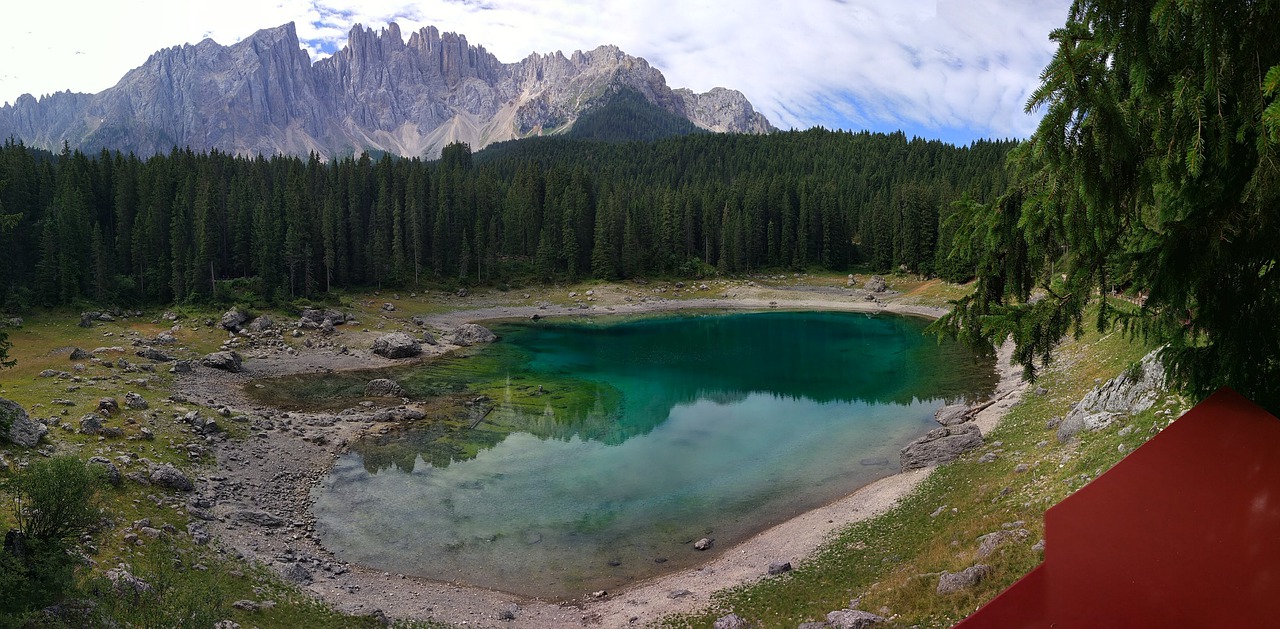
187	225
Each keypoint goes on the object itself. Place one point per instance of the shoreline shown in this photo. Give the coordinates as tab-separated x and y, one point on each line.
288	453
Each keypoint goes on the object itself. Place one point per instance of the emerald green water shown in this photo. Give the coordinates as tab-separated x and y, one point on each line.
646	435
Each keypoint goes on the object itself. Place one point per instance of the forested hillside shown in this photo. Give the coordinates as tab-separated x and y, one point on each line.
176	227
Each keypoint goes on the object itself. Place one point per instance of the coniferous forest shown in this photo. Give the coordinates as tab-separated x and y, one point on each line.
184	226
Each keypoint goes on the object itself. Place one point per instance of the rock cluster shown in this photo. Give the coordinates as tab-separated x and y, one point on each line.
1129	393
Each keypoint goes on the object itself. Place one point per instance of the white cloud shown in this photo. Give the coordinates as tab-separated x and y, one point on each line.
921	64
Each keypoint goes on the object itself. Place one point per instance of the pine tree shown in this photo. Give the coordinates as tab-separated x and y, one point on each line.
1154	172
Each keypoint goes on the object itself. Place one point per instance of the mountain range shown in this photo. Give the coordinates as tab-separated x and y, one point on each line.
263	95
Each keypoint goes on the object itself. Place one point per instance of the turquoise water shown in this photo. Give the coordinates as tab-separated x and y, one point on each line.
646	435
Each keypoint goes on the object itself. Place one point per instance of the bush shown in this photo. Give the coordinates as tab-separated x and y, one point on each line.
54	500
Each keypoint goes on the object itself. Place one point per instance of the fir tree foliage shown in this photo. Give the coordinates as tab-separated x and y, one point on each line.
183	226
1154	175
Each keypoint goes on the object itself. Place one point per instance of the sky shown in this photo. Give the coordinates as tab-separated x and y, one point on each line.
955	70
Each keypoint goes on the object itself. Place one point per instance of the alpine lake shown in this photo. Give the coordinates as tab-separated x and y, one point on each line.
576	455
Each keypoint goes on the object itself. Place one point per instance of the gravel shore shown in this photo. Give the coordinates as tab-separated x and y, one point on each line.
256	502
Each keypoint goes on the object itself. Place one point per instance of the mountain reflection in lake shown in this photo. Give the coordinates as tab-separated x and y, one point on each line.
584	455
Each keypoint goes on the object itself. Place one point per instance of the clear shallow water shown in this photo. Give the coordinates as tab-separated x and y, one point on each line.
647	435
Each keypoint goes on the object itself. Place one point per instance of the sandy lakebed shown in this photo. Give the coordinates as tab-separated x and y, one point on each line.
257	500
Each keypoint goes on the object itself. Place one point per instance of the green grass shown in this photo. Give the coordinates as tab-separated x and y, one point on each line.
195	583
892	562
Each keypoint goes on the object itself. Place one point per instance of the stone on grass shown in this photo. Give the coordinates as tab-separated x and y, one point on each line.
79	354
22	430
109	470
779	567
852	619
732	621
125	583
91	424
988	543
952	582
170	477
135	402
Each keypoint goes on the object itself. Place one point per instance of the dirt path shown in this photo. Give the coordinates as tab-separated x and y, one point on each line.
256	503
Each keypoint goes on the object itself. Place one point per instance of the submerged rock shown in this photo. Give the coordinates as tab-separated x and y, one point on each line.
383	387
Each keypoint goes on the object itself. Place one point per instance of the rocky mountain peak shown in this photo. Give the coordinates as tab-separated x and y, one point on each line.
264	95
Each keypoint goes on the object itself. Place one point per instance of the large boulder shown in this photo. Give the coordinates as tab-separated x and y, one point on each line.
1129	393
233	320
383	387
940	445
170	477
91	424
226	361
396	345
875	285
18	426
472	334
135	402
260	324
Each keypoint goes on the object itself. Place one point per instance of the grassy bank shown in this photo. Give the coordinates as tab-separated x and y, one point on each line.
891	564
193	584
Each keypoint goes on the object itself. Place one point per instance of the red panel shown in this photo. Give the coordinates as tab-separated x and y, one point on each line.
1185	531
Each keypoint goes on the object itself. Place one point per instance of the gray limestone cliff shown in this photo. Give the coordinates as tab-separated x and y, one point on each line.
379	92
